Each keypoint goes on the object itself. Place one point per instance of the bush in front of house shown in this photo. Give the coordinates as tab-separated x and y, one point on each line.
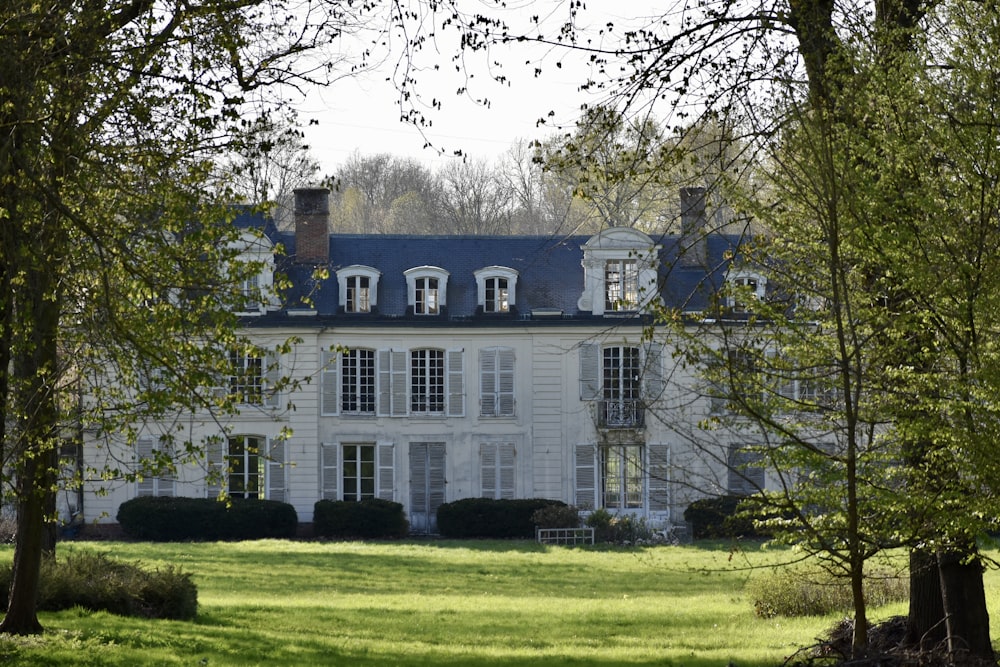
719	517
556	516
370	518
618	529
161	519
486	517
96	582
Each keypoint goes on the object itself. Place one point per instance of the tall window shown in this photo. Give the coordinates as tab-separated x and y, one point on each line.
496	296
427	371
621	284
358	476
621	385
622	477
426	296
245	466
358	381
358	295
246	381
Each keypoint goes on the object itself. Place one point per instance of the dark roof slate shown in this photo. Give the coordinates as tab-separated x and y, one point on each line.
550	273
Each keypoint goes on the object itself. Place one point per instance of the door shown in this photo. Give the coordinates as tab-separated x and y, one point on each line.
426	485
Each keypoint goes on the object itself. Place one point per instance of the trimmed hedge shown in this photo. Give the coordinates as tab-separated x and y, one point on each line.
99	583
370	518
719	517
485	517
160	519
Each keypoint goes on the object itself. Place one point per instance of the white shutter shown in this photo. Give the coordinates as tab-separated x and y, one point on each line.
272	375
488	382
505	456
386	471
392	383
456	382
659	477
586	477
166	481
590	372
144	452
400	407
329	400
488	470
652	375
505	382
276	487
330	471
215	457
435	476
384	382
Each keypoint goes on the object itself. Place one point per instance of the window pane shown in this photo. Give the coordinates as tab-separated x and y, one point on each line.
427	381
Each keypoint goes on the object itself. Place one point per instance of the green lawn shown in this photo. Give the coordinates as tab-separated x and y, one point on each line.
436	603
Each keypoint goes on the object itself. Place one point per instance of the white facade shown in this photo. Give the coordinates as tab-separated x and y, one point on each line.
429	407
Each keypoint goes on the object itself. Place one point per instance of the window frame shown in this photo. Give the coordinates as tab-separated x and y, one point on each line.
358	374
621	293
622	477
740	281
428	381
253	467
418	286
494	274
345	276
360	470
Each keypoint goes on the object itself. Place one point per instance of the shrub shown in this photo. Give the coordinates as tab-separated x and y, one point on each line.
719	517
615	529
556	516
485	517
98	583
370	518
801	592
160	519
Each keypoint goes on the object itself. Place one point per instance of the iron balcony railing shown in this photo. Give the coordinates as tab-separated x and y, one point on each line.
621	414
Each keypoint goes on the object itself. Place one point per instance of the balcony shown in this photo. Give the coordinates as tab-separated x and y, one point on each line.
621	414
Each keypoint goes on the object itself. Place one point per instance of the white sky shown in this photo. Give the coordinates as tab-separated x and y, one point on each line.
362	112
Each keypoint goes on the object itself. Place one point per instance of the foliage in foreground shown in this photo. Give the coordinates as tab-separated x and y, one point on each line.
800	592
96	582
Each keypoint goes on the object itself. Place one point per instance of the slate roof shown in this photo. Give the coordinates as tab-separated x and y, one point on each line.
550	275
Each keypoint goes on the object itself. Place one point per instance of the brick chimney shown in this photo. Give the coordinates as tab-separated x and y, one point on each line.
312	233
693	227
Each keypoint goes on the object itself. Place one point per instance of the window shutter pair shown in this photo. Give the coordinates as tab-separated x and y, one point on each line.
496	382
497	470
274	468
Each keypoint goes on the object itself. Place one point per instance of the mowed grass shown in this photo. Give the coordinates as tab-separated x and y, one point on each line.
436	603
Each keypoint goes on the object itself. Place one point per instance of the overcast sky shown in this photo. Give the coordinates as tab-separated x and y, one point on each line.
362	112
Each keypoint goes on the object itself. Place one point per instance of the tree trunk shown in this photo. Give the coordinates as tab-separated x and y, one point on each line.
948	604
37	448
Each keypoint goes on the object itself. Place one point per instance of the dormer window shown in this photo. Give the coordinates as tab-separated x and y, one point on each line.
620	272
427	289
358	288
496	286
256	286
745	288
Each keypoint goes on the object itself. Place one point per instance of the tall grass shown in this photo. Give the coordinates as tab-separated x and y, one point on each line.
434	603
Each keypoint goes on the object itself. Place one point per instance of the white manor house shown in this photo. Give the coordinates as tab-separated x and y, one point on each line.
435	368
